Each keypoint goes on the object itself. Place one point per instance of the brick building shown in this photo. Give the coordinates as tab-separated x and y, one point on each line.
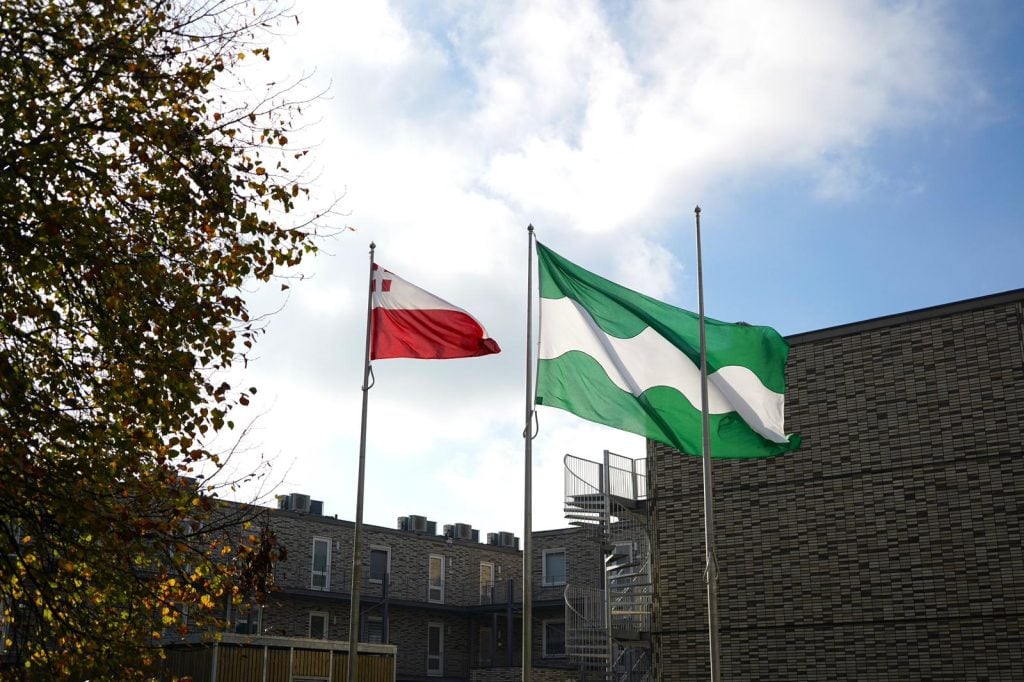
889	546
451	604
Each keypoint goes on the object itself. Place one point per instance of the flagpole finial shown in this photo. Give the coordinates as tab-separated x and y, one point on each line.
529	228
372	246
697	210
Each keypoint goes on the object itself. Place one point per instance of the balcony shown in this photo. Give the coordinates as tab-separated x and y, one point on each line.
461	594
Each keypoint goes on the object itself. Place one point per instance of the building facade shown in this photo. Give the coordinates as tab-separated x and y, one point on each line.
889	546
450	603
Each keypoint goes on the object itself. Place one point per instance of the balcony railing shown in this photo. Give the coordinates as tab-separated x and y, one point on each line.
627	478
460	594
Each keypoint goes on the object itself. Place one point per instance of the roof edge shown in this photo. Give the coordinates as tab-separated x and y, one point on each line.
931	312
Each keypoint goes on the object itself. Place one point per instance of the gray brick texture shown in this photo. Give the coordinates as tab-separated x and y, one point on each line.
888	548
462	614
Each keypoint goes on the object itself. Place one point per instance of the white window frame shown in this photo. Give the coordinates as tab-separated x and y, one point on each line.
544	636
486	589
326	573
327	623
387	568
548	581
435	592
439	656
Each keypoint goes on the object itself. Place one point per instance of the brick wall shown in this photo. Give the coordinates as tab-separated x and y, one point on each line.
888	547
583	562
288	610
409	558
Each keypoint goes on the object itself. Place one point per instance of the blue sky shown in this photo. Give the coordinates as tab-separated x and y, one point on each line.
852	160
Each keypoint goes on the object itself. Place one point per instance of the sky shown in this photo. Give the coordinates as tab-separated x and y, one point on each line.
852	159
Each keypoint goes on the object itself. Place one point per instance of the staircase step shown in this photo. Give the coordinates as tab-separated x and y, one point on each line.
586	496
585	504
588	509
595	654
627	574
583	524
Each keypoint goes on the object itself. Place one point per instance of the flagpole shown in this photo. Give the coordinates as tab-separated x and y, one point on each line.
357	564
528	474
711	571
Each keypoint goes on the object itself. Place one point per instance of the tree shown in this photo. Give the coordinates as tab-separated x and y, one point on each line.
136	201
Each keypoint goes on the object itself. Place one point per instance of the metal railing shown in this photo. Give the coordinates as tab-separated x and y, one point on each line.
454	593
627	478
607	629
586	633
587	640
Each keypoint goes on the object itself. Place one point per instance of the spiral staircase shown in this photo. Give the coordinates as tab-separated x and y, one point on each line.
608	627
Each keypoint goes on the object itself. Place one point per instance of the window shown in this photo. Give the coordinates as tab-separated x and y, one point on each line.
435	581
554	567
486	582
320	576
317	625
380	563
621	568
248	620
435	649
554	638
374	630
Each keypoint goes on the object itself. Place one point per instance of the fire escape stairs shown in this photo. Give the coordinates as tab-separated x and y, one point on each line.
608	628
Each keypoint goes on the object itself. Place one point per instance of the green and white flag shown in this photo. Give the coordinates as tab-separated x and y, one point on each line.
619	358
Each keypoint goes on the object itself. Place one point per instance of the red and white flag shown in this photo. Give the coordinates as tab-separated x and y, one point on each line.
409	322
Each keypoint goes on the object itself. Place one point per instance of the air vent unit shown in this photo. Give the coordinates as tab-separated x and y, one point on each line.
299	503
418	524
463	531
506	539
403	523
492	538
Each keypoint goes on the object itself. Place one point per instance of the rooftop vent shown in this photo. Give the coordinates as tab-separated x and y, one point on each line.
503	539
417	524
462	531
298	502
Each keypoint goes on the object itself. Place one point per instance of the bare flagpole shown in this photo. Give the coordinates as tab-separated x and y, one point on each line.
528	473
711	571
357	564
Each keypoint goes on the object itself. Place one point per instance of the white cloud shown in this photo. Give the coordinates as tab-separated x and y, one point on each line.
454	125
717	89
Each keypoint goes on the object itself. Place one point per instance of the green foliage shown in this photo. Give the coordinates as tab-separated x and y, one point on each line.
135	203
